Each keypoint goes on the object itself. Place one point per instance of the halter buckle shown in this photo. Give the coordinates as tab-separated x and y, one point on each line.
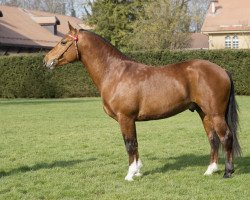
75	38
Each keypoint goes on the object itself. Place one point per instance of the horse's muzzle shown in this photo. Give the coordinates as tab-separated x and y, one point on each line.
50	64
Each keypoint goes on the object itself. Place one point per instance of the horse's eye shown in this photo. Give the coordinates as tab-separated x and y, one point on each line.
63	42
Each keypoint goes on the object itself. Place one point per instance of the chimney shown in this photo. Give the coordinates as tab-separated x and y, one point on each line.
55	25
213	7
50	23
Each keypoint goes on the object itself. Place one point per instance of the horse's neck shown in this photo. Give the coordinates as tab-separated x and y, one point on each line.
99	59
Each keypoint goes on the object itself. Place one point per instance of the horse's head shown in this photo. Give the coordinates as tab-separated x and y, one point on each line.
64	52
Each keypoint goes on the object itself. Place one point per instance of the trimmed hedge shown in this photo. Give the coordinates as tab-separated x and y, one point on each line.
25	77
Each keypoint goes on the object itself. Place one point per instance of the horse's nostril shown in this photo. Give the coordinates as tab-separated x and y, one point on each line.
50	64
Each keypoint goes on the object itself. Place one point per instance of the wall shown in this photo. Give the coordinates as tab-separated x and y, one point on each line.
217	41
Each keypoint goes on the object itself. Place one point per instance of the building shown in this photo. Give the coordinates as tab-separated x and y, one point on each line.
27	31
198	41
227	24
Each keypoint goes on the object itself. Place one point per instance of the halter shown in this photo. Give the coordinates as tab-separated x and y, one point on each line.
75	38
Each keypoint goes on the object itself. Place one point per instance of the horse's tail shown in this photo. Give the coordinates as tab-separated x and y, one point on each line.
232	118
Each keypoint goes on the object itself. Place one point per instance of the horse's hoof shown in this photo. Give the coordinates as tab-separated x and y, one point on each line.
213	167
138	174
129	178
227	175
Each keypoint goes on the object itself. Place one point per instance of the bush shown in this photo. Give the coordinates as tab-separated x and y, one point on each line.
25	77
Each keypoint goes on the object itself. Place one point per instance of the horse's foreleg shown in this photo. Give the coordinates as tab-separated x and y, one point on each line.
128	130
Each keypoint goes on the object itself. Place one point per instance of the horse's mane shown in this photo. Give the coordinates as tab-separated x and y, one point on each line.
108	43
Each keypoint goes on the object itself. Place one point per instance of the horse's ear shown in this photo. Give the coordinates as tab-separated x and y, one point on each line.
71	28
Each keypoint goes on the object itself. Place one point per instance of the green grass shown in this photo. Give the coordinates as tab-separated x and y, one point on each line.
69	149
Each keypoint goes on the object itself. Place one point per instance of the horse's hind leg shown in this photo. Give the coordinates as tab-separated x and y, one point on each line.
214	143
226	139
128	130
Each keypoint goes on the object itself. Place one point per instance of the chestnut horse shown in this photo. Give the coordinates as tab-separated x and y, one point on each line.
132	91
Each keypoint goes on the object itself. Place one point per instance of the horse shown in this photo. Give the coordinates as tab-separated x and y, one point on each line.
132	91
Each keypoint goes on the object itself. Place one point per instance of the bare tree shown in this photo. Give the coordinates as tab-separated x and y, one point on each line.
197	9
53	6
10	2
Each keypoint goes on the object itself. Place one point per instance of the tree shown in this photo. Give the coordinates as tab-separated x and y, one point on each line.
197	10
142	25
10	2
113	19
164	26
72	9
53	6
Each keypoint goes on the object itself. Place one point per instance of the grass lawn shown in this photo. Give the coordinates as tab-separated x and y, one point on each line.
70	149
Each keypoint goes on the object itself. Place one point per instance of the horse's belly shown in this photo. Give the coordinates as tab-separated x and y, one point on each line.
164	99
159	111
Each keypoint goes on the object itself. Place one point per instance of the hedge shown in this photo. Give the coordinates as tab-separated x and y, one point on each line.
25	77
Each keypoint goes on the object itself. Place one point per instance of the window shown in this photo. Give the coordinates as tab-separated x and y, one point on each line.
235	42
231	42
228	42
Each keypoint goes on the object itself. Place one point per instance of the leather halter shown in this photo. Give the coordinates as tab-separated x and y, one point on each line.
75	39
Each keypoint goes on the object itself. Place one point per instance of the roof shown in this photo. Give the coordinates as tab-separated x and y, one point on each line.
199	41
46	20
20	27
229	16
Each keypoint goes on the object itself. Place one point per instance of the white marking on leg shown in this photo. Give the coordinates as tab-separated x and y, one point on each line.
131	171
134	170
139	165
213	167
